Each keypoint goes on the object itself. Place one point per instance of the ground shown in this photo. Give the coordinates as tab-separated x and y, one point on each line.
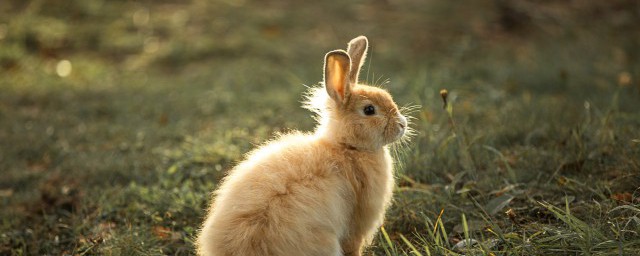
117	118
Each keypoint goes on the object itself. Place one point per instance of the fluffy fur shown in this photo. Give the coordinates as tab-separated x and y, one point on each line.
322	193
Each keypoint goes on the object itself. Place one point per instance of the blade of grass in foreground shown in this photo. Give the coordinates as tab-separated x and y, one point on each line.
387	245
413	248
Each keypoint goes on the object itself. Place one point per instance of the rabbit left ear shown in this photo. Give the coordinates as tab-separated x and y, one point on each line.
357	50
337	65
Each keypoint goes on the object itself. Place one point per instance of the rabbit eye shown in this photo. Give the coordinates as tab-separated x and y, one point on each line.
369	110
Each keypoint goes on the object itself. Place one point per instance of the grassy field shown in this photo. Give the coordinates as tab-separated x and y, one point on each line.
117	118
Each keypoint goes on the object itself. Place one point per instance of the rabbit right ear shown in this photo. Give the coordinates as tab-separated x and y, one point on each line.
358	52
337	65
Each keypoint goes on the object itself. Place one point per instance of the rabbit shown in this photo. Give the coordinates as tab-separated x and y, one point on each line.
321	193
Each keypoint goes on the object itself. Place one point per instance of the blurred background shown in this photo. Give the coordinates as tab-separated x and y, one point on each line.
117	118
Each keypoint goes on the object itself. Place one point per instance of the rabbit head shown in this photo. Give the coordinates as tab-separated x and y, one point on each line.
355	115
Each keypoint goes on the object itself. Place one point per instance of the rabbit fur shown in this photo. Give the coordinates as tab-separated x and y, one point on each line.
321	193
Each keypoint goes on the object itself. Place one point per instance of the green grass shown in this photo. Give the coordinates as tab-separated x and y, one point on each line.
119	157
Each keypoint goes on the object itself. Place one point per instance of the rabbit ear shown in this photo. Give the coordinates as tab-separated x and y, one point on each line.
358	52
336	68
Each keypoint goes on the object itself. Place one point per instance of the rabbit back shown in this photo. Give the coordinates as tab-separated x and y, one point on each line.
289	197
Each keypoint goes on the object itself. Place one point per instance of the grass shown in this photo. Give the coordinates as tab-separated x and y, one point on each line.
538	152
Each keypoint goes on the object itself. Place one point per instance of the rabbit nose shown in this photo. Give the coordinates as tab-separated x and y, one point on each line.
402	121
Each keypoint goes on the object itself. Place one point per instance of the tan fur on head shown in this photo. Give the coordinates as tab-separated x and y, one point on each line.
313	194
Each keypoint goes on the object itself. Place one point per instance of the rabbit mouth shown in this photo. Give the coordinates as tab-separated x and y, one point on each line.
398	131
402	126
401	131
